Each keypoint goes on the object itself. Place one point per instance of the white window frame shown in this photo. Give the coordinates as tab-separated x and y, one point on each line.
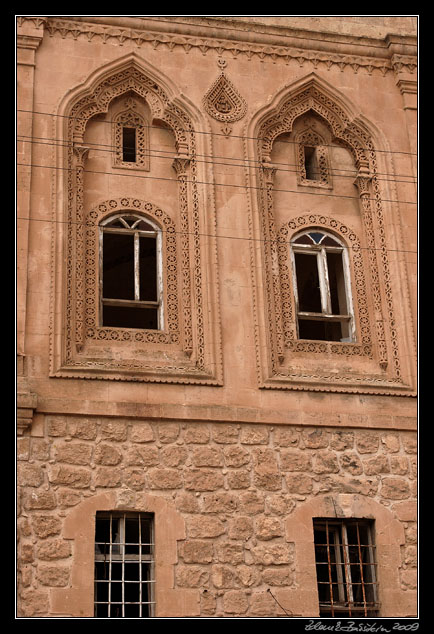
320	251
132	229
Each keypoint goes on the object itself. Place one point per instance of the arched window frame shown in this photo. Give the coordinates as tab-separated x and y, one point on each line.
130	119
319	247
131	226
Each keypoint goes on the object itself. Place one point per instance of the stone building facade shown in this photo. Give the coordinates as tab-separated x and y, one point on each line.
216	314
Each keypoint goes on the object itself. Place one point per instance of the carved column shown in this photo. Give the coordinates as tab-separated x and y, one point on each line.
181	165
30	32
80	155
363	183
271	249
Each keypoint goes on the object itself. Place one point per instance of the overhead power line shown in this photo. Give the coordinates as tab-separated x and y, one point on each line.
216	184
221	134
215	160
210	235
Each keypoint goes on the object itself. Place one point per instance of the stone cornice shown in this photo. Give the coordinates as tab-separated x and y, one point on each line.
285	45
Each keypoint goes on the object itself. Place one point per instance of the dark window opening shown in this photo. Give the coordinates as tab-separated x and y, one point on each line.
148	269
337	284
346	567
323	303
129	145
118	266
124	565
130	317
319	330
131	295
311	163
309	296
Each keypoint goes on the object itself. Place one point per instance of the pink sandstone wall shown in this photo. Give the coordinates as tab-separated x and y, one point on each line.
231	431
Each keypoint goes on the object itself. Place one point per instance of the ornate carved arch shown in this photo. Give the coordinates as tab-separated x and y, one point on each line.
198	336
349	130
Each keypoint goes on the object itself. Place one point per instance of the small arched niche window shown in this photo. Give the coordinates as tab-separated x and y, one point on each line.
322	287
131	137
131	289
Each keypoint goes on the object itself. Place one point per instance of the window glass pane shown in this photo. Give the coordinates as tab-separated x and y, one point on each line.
148	269
309	297
337	284
316	236
130	317
304	239
144	226
330	242
118	266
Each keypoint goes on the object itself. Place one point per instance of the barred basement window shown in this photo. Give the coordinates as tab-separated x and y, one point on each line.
346	568
130	273
124	565
322	287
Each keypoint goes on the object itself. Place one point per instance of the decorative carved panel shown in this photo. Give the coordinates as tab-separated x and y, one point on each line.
373	363
223	102
188	349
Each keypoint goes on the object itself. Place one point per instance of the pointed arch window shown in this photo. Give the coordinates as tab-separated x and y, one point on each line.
322	287
131	137
131	288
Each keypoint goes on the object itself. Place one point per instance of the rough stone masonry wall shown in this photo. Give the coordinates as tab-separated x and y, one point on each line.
234	485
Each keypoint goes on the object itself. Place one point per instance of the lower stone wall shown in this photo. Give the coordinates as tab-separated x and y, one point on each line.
234	485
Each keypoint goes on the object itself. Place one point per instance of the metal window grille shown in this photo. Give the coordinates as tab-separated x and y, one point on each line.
124	565
346	568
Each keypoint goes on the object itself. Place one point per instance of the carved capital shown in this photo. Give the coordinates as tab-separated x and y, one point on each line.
363	182
80	154
181	164
269	172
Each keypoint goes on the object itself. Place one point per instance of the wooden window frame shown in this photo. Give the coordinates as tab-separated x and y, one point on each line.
319	251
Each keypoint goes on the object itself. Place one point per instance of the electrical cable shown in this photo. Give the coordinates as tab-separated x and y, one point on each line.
210	235
156	153
215	184
234	136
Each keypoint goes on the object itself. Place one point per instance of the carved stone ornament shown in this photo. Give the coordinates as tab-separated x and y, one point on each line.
377	356
223	102
187	349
